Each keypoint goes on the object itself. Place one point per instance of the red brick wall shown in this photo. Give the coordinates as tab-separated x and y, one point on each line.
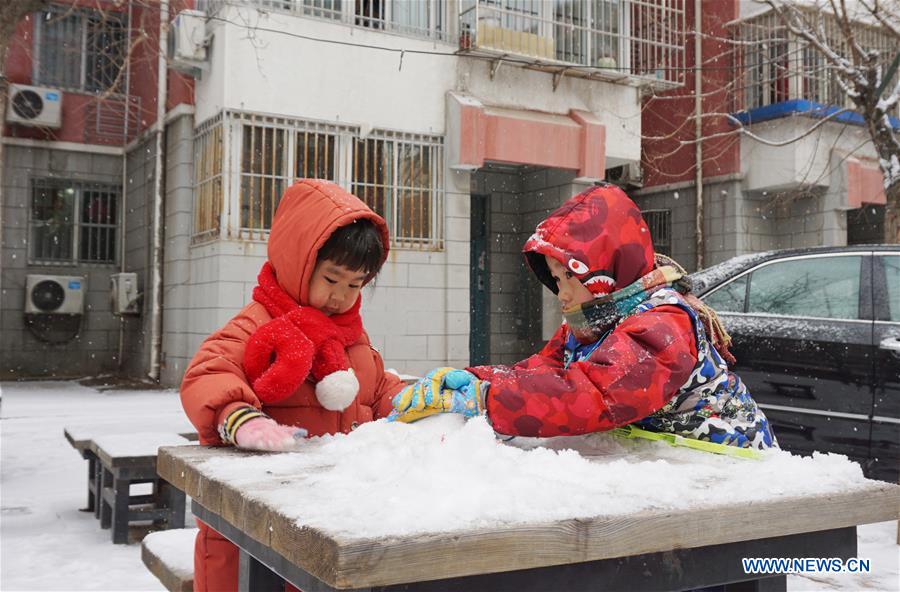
80	109
668	119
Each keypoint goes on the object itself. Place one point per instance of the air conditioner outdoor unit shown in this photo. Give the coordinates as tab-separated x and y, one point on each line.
34	105
124	297
188	41
626	175
55	294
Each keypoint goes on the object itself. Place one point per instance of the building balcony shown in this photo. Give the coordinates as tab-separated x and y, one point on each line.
636	42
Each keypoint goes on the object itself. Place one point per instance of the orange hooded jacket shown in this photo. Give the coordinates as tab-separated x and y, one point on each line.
214	383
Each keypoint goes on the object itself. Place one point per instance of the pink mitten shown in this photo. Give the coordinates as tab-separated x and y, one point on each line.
252	429
263	433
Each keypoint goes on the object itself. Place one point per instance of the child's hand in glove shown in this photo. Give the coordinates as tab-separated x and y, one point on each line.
443	390
250	429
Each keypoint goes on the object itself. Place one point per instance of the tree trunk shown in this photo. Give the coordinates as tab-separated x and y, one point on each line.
892	215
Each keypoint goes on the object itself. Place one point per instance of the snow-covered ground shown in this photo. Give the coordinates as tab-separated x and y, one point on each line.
46	543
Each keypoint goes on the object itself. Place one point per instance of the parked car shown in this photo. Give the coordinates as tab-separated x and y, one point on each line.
817	340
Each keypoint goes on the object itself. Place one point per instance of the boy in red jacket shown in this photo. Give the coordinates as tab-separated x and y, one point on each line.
296	360
635	346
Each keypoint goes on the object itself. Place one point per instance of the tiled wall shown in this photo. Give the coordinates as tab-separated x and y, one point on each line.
94	349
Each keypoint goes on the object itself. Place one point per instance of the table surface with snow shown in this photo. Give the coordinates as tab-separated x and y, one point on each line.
387	484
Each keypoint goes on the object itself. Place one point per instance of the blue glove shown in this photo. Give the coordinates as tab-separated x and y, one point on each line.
443	390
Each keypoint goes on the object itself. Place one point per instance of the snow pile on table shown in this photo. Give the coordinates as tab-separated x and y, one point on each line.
442	475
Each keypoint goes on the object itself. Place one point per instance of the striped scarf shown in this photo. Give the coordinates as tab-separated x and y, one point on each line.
591	320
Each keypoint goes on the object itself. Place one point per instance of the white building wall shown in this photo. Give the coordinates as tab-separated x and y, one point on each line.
805	162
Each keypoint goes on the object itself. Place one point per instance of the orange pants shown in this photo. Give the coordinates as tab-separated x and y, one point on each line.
216	561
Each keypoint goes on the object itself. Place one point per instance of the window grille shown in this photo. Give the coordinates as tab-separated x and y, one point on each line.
413	18
400	177
275	152
208	161
776	66
660	224
73	222
82	50
264	174
316	155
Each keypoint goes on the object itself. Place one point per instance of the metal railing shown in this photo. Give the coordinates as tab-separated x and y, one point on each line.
641	40
113	119
413	18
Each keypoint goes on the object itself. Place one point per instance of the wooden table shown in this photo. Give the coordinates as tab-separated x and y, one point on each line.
651	550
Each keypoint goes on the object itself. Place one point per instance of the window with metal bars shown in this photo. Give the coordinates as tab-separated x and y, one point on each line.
775	66
415	18
208	157
399	177
264	174
660	224
82	50
315	155
71	222
267	167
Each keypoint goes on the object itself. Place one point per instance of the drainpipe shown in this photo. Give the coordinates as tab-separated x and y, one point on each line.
698	126
123	207
158	197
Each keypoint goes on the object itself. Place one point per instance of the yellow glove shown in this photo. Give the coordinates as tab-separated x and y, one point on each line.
443	390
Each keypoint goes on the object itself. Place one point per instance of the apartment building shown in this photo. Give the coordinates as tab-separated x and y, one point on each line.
462	122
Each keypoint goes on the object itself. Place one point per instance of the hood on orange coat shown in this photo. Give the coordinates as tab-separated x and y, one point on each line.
307	215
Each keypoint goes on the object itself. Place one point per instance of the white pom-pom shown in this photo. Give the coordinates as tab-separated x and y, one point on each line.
336	391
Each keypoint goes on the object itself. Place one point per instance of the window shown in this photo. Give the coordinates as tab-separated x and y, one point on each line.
264	174
730	297
208	152
826	287
316	156
891	265
267	167
81	50
73	222
776	66
398	177
660	224
416	18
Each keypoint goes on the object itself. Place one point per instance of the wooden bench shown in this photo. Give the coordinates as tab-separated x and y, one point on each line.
81	437
126	460
81	442
169	555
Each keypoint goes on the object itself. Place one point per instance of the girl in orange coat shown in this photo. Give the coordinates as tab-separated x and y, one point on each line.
296	361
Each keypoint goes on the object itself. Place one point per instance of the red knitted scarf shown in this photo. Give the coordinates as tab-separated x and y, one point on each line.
297	342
